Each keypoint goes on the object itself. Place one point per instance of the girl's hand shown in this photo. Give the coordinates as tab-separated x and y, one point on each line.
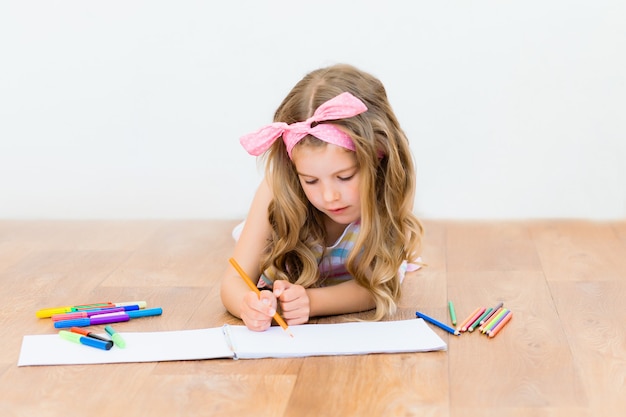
294	302
257	311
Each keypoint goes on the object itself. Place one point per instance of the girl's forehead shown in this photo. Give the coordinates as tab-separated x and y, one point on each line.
322	160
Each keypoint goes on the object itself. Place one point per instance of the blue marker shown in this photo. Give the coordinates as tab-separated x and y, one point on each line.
157	311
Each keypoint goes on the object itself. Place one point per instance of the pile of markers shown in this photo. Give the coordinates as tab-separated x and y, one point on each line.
488	321
76	318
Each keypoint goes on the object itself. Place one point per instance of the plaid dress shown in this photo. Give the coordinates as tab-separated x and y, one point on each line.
332	260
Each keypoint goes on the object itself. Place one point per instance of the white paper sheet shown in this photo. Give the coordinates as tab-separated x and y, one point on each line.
309	340
353	338
50	349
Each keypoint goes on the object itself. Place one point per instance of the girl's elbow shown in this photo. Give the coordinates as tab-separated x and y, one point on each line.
228	301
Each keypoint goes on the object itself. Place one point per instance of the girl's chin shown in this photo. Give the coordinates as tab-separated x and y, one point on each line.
342	217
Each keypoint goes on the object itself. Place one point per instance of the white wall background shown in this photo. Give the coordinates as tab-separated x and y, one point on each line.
133	109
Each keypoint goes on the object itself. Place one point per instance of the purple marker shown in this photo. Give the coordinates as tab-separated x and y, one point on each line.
93	320
109	318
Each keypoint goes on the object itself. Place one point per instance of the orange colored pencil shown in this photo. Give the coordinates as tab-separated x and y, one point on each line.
472	317
500	325
254	288
476	316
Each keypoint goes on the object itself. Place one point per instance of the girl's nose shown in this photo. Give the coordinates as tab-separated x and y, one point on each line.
330	194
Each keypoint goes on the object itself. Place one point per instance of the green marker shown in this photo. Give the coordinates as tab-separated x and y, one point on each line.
452	313
117	338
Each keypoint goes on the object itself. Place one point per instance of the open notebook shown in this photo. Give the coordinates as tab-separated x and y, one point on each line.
237	342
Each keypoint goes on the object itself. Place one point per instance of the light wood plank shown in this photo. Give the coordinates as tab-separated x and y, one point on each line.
564	353
592	315
397	388
178	254
580	251
529	364
497	246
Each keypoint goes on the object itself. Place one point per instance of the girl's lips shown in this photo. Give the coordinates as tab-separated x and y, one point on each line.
337	211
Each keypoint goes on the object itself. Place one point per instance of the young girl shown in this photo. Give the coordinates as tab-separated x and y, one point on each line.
331	228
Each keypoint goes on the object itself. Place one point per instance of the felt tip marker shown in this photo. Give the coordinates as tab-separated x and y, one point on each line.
89	313
92	306
117	338
92	321
49	312
84	332
87	341
140	304
147	312
106	318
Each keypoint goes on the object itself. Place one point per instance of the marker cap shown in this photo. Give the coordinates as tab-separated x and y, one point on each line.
117	339
49	312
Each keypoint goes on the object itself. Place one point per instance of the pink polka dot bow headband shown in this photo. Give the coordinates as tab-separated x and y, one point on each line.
343	106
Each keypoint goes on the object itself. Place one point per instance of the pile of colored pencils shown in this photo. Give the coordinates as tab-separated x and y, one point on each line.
488	321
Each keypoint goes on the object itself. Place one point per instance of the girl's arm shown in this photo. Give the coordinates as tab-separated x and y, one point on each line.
247	253
299	304
347	297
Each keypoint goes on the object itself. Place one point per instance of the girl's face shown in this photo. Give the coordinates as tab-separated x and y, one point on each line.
329	176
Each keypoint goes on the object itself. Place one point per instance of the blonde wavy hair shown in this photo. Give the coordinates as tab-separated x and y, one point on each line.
390	232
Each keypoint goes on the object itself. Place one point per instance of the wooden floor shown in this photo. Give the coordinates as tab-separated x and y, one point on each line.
563	354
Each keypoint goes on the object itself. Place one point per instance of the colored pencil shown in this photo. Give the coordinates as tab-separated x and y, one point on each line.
487	320
452	313
493	311
476	323
254	288
503	322
479	311
495	320
468	318
437	323
486	315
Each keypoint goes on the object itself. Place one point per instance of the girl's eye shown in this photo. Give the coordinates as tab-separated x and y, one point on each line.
310	182
348	178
